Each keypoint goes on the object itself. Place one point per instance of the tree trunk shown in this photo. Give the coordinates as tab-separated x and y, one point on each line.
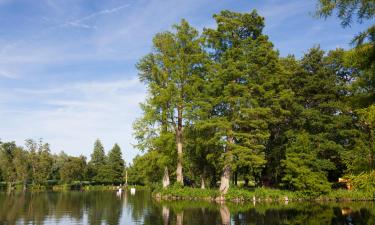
179	136
10	187
126	177
225	179
166	178
235	178
24	186
203	185
246	182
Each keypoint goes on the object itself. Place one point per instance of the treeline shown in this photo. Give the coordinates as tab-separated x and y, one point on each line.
35	165
224	106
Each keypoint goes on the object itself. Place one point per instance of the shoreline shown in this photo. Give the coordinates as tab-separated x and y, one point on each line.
68	187
234	195
258	195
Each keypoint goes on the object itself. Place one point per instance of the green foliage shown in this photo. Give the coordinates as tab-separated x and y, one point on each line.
36	168
353	195
98	154
146	169
7	152
98	170
364	54
40	161
347	9
240	91
172	73
303	169
72	169
116	165
260	194
365	182
178	191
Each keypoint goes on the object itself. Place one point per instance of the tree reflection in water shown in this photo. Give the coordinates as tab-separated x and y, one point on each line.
141	208
225	215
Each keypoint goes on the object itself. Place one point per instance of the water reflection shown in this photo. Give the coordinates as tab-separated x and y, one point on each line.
113	208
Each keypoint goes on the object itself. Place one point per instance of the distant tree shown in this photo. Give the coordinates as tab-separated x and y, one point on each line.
7	151
116	164
98	154
21	164
72	169
40	160
58	161
97	162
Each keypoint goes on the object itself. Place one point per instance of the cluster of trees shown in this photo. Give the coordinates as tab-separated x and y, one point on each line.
35	164
224	105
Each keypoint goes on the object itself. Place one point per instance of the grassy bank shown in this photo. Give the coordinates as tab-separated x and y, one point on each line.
260	194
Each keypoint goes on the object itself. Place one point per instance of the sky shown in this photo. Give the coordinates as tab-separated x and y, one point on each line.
67	67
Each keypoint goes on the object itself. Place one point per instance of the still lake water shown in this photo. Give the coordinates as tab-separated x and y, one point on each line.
141	208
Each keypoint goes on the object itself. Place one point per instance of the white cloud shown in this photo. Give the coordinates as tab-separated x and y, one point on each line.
7	74
103	110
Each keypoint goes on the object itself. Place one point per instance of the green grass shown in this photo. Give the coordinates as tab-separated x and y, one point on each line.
186	193
261	194
350	195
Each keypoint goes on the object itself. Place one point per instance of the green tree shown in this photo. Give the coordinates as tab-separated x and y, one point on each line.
40	160
304	169
170	73
243	79
361	158
98	154
98	162
146	169
347	9
116	164
7	151
58	162
363	56
322	123
72	169
21	164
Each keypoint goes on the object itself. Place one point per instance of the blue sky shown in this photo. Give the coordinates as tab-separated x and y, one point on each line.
67	71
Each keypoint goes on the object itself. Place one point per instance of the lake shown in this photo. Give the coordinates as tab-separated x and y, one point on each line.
141	208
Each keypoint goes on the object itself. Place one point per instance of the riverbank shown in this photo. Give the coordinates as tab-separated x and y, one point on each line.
76	186
259	195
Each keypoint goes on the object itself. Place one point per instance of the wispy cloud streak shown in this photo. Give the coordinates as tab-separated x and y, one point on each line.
80	22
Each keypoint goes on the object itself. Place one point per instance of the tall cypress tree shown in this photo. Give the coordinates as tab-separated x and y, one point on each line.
242	83
171	73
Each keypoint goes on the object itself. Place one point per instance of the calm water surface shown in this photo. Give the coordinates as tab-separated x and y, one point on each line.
110	208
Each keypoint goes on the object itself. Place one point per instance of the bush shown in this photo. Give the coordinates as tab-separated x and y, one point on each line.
364	181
